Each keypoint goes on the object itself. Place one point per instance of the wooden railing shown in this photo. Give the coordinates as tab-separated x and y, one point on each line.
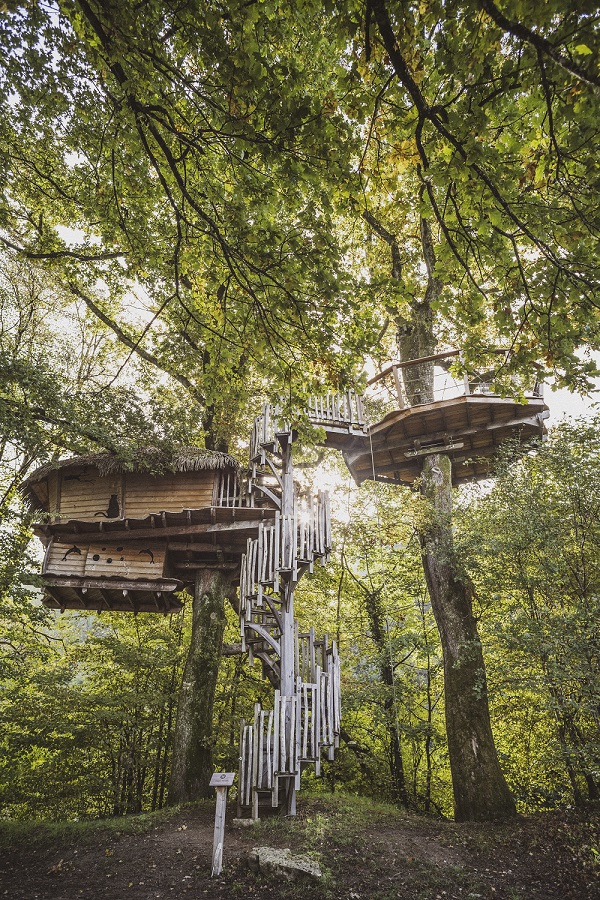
337	409
297	730
470	383
228	490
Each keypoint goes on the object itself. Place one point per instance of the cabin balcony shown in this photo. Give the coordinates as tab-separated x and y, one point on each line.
384	437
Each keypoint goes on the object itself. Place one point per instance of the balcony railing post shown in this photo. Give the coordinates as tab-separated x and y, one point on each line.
398	384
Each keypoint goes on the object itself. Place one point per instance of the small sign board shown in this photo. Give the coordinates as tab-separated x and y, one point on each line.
222	779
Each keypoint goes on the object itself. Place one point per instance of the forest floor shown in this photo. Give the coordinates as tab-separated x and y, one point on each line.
365	850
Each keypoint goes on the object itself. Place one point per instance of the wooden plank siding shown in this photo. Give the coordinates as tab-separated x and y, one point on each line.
106	560
169	493
123	561
65	559
86	495
53	492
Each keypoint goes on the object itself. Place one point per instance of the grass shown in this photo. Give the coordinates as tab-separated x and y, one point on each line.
41	832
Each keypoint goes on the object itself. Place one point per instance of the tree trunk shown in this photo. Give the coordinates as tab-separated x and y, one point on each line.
480	790
386	669
191	766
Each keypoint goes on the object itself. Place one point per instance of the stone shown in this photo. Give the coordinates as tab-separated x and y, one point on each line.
244	823
274	861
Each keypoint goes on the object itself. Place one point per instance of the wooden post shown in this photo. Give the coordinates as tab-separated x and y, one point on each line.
398	386
221	781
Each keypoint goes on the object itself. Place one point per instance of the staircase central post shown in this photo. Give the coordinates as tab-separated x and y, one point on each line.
288	655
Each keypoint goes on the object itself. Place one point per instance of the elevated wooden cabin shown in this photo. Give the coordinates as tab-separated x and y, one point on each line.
119	537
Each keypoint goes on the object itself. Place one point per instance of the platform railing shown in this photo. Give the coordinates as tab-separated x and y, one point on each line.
387	389
337	409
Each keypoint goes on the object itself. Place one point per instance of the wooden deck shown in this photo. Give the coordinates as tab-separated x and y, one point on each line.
137	564
102	595
468	428
212	520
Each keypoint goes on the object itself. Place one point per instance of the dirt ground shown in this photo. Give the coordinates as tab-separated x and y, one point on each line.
365	850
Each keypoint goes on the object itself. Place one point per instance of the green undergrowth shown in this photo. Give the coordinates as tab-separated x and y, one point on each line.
14	832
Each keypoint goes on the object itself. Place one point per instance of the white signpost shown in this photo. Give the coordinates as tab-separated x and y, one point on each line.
221	781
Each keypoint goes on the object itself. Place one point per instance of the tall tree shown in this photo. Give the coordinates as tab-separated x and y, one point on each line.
187	155
483	120
193	153
475	174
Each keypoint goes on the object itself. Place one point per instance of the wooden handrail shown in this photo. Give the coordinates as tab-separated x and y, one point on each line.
425	359
412	362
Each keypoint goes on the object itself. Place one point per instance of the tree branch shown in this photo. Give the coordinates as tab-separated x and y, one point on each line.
134	345
390	240
61	254
541	44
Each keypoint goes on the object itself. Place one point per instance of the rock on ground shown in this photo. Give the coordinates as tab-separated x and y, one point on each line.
274	861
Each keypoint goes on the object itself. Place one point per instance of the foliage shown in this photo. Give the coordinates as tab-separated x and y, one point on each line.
88	713
532	545
189	199
372	599
482	123
188	151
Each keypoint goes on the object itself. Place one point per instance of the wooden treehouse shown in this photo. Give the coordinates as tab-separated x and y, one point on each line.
129	540
126	540
467	421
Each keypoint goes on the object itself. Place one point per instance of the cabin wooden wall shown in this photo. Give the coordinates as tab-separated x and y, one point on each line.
169	493
85	495
104	560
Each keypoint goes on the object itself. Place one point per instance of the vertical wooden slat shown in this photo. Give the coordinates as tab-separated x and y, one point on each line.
269	750
249	748
304	689
260	767
313	722
242	763
276	551
317	721
255	757
282	735
276	725
297	712
292	736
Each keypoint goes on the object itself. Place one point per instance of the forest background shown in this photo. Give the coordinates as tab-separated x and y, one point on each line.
206	207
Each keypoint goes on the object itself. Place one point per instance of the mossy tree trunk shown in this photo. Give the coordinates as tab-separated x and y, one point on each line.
480	790
191	766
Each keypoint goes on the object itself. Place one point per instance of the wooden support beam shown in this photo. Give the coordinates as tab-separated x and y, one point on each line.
177	530
112	584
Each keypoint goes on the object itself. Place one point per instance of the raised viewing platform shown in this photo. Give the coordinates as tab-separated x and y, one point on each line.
384	438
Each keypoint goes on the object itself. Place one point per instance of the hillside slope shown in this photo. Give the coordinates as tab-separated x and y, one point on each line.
365	850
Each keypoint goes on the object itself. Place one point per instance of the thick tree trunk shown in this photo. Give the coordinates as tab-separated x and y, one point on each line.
191	766
480	790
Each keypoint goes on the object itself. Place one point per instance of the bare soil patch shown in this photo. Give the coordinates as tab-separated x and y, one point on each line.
366	850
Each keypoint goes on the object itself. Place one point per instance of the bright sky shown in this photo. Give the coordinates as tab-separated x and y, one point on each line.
563	403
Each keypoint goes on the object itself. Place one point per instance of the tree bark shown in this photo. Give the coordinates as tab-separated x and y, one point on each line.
386	669
480	790
191	766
